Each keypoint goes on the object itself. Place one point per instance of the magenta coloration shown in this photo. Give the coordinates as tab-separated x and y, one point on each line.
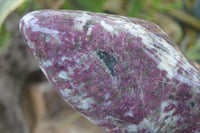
124	74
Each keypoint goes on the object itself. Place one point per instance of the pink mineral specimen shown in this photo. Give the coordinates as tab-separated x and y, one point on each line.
124	74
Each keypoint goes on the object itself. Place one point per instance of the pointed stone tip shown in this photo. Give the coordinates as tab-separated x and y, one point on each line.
27	21
26	18
35	24
31	25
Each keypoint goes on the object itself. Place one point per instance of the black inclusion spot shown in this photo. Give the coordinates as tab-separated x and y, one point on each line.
88	24
192	103
108	60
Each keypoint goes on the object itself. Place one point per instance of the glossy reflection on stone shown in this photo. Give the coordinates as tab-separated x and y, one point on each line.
124	74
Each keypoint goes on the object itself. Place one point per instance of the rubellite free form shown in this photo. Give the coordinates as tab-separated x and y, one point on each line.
124	74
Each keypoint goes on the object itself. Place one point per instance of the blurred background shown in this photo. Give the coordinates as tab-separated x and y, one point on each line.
28	103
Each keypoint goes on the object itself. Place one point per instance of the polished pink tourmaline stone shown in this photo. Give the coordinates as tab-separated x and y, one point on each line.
124	74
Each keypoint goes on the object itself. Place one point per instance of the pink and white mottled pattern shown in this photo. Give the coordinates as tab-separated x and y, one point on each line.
124	74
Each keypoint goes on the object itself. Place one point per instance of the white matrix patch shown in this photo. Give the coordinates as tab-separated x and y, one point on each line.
132	128
86	103
46	63
63	75
106	26
80	21
65	92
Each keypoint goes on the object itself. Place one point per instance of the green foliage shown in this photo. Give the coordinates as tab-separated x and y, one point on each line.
68	5
159	5
22	8
4	38
194	52
88	5
92	5
136	7
148	8
28	5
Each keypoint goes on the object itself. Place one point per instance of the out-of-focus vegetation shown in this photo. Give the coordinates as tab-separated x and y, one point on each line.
4	37
148	8
179	18
7	6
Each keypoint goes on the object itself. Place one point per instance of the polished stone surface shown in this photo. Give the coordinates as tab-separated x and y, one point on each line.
124	74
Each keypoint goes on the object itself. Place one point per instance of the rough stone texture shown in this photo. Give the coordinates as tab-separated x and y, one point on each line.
124	74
